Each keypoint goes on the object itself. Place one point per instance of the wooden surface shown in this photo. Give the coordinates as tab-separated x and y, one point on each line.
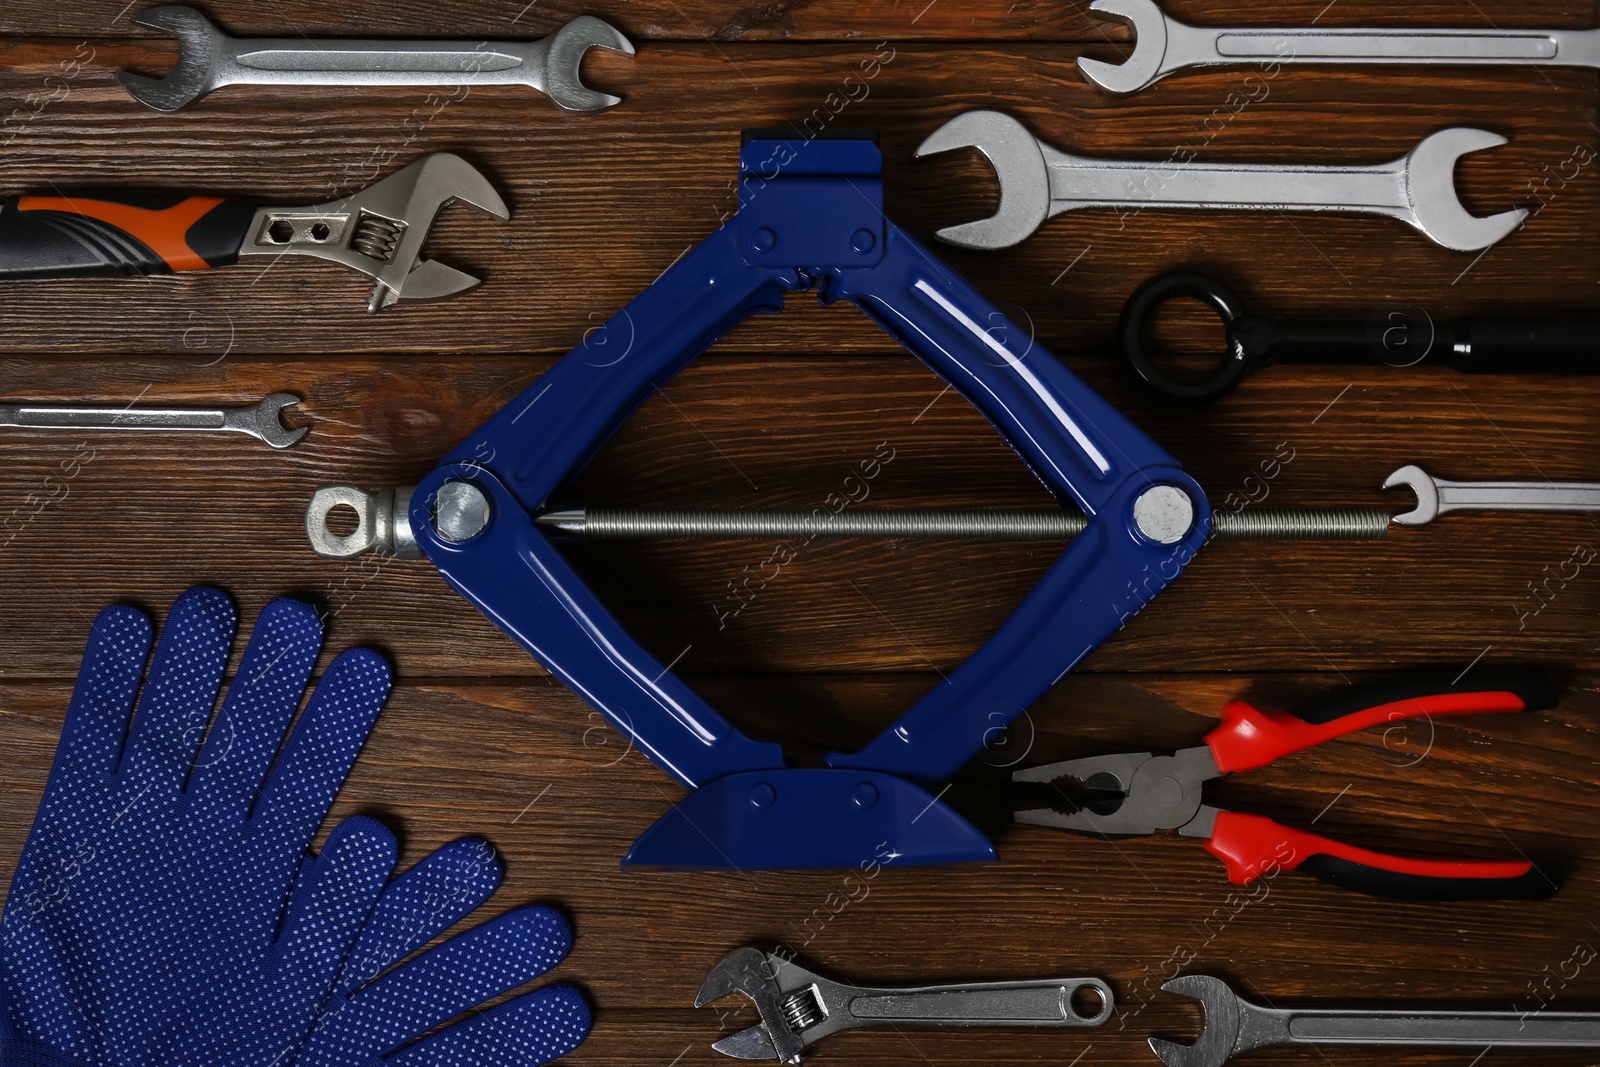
477	739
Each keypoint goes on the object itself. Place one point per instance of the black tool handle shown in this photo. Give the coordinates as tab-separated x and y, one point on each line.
119	233
1527	346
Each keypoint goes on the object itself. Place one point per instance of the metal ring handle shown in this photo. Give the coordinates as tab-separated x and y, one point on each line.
1141	308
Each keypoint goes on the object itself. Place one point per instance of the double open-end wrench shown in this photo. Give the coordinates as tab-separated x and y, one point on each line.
1164	45
378	231
209	59
799	1008
1038	181
1435	496
1234	1026
261	420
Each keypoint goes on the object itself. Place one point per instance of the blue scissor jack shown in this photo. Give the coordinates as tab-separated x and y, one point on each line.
810	217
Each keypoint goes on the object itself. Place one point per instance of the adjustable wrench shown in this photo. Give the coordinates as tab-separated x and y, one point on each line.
1038	181
261	420
1234	1026
1164	46
1435	496
378	231
209	59
799	1008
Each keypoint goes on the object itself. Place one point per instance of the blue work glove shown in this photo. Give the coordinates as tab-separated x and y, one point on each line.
166	909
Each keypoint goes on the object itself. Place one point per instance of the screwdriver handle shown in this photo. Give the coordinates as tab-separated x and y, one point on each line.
119	233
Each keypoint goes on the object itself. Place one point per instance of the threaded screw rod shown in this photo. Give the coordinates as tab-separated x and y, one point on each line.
942	524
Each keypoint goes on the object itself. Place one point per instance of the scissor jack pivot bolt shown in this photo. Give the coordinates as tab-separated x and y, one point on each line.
1164	514
461	511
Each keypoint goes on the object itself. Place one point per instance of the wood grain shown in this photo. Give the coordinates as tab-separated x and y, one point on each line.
477	739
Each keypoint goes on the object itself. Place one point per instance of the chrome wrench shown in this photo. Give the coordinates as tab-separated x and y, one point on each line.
1435	496
1234	1026
209	59
799	1008
261	421
1038	181
1164	46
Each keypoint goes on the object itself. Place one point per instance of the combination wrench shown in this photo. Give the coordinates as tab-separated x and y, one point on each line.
1435	496
209	59
1038	182
261	420
1164	46
1234	1026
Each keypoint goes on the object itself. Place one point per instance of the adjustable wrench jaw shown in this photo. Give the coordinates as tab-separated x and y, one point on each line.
380	231
766	979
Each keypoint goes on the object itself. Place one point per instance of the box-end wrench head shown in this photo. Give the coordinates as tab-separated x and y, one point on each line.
1436	496
1038	181
209	58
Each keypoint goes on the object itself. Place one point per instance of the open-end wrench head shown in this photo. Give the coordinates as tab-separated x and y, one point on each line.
265	420
1018	164
564	58
1143	67
1219	1028
193	75
1436	207
1422	484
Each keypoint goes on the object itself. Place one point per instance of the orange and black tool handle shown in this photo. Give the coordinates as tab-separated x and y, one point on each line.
1250	738
119	233
1252	846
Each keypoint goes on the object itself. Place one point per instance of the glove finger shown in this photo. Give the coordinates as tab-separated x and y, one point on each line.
420	905
324	744
459	975
266	690
535	1028
182	688
102	700
333	901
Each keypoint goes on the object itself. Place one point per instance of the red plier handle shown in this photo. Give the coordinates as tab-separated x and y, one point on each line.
1250	738
1251	846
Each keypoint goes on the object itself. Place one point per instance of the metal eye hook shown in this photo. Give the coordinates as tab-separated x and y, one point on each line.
1141	309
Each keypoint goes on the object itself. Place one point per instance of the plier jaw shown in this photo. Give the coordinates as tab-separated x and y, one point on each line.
1149	793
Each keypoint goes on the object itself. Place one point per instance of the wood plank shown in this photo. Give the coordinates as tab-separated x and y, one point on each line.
148	516
718	22
513	763
603	203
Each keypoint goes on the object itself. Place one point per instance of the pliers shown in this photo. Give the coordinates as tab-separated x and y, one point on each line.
1164	792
